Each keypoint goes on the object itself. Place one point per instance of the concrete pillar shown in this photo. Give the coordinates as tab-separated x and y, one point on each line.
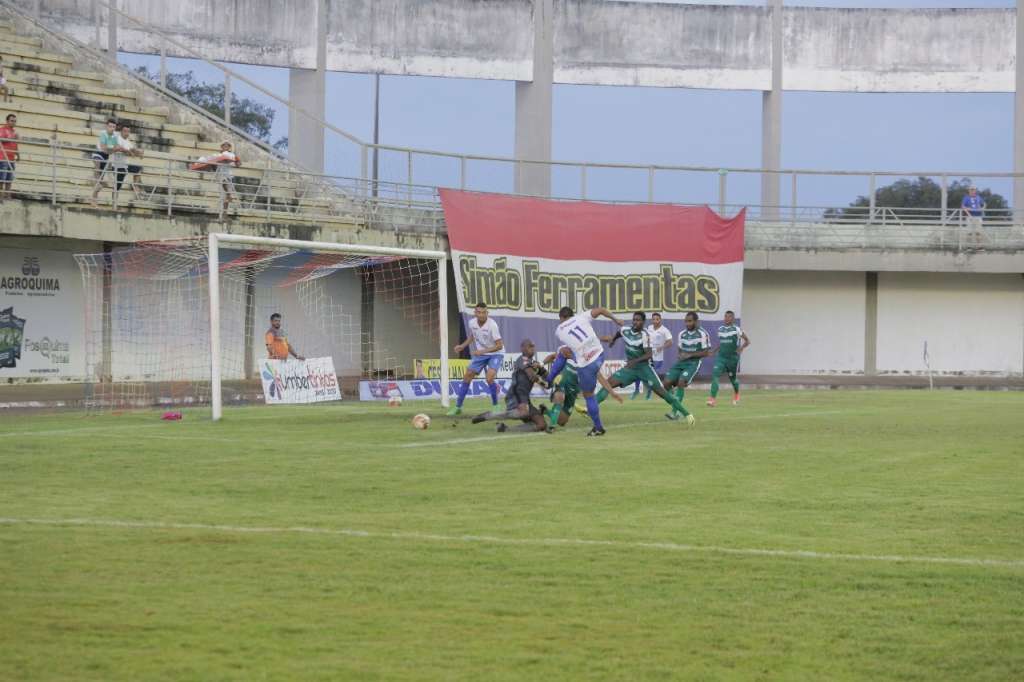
112	31
533	106
870	323
1018	120
771	120
307	89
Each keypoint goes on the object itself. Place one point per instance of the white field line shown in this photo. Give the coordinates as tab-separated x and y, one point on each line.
536	542
85	429
156	423
615	427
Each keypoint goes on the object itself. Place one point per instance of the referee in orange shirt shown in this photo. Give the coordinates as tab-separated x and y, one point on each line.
278	347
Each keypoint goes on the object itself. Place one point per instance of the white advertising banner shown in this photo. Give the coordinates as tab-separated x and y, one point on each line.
289	382
42	324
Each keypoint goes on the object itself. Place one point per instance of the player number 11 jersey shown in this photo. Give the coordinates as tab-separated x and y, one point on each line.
578	334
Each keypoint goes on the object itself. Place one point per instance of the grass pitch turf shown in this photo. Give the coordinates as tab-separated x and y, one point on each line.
804	535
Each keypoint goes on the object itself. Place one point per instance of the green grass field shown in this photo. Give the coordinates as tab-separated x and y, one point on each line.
806	535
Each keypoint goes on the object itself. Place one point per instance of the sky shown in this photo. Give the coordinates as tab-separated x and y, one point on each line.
962	133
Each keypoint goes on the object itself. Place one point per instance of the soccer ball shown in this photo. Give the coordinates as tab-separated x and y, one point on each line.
421	421
395	401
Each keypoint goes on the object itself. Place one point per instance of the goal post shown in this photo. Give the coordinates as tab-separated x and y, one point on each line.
177	323
216	239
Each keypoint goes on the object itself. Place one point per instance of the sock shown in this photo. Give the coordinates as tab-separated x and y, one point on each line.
494	393
636	386
602	395
553	414
463	389
714	386
595	412
680	392
735	385
556	367
649	391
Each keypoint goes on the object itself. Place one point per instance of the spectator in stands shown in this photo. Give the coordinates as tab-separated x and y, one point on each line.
8	154
5	90
101	156
226	160
119	160
973	207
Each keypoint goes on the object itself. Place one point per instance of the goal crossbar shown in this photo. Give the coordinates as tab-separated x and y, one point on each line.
214	240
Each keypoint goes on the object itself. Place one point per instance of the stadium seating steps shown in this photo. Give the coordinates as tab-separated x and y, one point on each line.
55	100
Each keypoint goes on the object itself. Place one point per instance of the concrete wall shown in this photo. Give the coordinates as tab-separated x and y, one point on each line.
814	322
595	42
803	322
972	323
459	38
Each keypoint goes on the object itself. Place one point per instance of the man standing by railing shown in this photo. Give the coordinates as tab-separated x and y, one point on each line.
973	207
8	154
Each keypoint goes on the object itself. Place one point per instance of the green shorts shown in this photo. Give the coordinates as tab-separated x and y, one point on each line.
570	388
643	372
683	372
726	365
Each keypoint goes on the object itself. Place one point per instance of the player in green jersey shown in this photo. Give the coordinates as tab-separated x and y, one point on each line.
566	390
732	341
639	367
694	345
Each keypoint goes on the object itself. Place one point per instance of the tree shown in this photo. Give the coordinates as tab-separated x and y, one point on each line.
253	117
921	193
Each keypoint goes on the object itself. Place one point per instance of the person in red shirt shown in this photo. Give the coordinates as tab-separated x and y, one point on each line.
8	154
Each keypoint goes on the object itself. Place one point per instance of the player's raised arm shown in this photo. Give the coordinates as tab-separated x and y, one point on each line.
604	312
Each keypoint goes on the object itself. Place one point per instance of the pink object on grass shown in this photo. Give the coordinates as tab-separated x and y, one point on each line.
171	416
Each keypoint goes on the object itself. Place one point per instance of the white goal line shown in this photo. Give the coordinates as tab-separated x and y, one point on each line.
534	542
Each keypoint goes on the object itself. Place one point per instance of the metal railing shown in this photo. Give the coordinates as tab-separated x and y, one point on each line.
61	173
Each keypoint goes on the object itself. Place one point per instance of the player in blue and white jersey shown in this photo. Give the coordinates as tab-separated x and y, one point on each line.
576	332
482	332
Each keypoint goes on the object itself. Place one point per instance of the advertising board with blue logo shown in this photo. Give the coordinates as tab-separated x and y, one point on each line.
42	326
290	382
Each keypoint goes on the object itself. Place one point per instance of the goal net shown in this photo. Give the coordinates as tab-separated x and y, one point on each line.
161	331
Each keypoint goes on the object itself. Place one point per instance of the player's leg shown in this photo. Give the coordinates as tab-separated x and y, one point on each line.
587	377
535	418
716	370
636	390
624	377
512	410
734	378
607	389
672	376
568	401
655	383
606	384
657	368
467	379
493	364
557	403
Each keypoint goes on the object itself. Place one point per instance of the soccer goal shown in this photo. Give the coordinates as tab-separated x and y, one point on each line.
238	319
